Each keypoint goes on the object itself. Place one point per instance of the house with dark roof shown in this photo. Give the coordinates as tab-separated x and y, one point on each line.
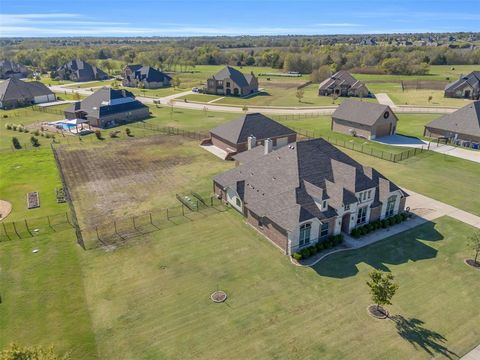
307	191
343	84
15	93
461	125
9	69
79	71
230	81
466	87
145	77
248	131
364	119
108	107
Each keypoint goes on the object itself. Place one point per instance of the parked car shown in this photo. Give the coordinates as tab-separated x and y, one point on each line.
195	90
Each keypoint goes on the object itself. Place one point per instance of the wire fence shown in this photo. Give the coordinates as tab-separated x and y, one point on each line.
169	130
47	109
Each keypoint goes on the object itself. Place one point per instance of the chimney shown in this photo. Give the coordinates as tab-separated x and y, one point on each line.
268	146
251	142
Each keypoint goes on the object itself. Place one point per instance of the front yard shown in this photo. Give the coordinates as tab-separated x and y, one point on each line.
156	303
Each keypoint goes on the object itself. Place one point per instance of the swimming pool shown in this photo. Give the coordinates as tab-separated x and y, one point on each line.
66	126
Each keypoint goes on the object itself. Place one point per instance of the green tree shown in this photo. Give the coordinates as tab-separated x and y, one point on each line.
16	143
300	94
16	352
382	288
34	141
176	82
474	244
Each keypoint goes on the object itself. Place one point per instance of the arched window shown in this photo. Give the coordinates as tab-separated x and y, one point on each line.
305	230
391	206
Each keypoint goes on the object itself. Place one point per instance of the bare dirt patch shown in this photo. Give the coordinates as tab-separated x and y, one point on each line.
5	209
472	263
124	178
377	312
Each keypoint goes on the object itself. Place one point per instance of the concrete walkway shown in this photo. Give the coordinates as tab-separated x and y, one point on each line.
384	99
466	154
472	355
424	209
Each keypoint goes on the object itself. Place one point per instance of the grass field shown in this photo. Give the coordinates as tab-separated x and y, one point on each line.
43	295
442	177
132	177
155	303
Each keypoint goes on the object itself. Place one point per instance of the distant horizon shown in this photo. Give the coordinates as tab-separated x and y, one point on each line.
193	18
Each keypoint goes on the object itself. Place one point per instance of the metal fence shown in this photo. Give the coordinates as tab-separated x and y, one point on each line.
169	130
48	110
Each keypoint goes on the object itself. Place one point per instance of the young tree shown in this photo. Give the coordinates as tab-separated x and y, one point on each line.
430	98
244	108
16	143
299	95
382	288
34	141
128	132
474	244
176	82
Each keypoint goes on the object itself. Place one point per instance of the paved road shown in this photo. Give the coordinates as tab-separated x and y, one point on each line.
280	110
472	355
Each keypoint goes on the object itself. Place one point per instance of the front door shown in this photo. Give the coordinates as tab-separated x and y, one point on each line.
346	223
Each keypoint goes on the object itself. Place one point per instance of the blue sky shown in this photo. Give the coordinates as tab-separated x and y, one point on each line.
230	17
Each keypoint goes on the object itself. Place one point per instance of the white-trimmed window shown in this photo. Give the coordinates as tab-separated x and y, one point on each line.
362	215
323	231
324	204
346	207
390	206
305	231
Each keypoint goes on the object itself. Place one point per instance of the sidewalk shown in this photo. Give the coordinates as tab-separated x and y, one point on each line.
472	355
424	209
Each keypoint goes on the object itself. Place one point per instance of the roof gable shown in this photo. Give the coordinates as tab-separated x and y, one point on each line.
463	121
361	112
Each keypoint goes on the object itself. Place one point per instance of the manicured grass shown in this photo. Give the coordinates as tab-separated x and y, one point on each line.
414	124
276	94
26	171
442	177
156	302
42	296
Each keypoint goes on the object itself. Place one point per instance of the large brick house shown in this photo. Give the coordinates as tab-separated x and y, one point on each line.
364	119
15	93
467	87
144	76
9	69
79	70
250	130
230	81
461	125
108	107
343	84
305	192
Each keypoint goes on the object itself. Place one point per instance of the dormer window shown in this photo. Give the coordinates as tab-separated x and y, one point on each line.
346	207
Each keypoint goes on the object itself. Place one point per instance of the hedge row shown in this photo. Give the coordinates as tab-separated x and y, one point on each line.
21	128
379	224
320	246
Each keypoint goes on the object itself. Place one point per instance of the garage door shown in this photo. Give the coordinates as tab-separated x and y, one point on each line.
282	142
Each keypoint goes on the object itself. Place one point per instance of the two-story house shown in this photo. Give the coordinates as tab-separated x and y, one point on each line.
145	77
230	81
305	192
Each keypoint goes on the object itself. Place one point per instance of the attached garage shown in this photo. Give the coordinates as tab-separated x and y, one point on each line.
15	93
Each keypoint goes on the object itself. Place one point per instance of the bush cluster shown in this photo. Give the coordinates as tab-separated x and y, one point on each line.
331	242
15	127
379	224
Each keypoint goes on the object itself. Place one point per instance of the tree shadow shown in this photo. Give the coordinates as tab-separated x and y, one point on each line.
396	250
415	333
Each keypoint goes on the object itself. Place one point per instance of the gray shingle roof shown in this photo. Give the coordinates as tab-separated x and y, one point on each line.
83	70
14	89
473	79
148	73
237	131
238	77
341	78
283	185
463	121
360	112
100	103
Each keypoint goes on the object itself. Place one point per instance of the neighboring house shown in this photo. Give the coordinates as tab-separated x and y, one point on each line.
364	119
108	107
230	81
79	71
461	125
9	69
15	93
343	84
467	87
307	191
249	130
145	77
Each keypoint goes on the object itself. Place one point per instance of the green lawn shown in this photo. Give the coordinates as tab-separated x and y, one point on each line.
43	296
442	177
155	304
414	124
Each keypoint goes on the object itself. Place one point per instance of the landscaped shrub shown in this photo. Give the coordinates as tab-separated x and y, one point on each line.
370	227
98	134
5	116
355	233
297	256
313	250
320	246
8	126
404	216
36	133
47	135
128	132
34	141
14	127
16	143
305	253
